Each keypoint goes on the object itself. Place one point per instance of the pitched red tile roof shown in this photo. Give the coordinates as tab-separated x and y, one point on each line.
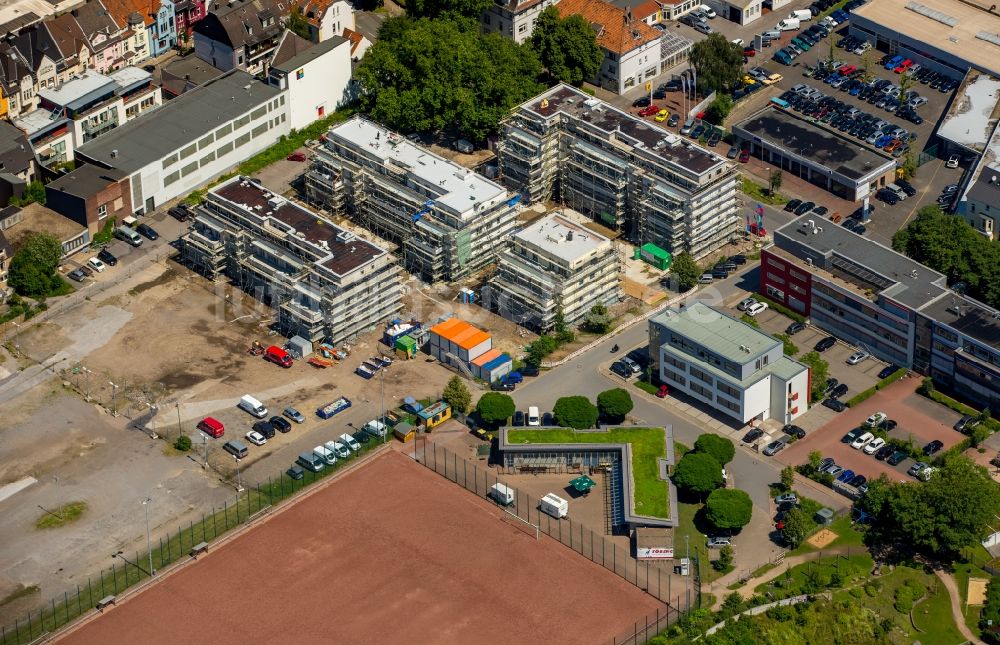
120	10
617	34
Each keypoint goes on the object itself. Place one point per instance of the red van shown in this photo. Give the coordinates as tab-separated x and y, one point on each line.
212	427
279	356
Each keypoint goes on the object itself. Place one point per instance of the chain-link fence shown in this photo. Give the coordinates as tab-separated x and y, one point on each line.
524	511
131	568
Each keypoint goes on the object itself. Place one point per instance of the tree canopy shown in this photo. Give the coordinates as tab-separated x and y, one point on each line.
797	527
698	473
721	448
953	510
614	404
405	85
495	407
447	8
718	62
820	370
32	270
685	270
948	244
719	108
575	412
567	47
457	395
728	508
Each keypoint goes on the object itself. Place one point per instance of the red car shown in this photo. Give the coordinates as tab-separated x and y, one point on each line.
905	65
744	156
847	69
663	391
749	52
649	110
296	156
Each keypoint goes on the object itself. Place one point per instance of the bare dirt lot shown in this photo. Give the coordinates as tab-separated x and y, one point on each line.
438	565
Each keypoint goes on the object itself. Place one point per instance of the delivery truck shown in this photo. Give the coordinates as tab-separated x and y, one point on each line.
554	505
501	494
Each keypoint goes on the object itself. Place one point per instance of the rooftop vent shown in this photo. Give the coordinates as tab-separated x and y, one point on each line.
989	37
933	14
954	309
275	202
345	236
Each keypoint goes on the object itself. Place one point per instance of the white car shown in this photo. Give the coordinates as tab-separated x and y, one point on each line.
756	308
338	449
862	441
875	419
857	357
97	265
952	162
746	303
325	455
256	438
350	442
708	11
874	445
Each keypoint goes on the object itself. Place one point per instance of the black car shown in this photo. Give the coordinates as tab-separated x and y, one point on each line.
641	102
640	355
518	418
888	371
887	196
907	187
281	424
738	260
804	208
888	425
834	405
659	95
295	472
502	386
698	131
839	391
529	370
792	205
795	328
933	447
548	419
794	431
621	369
107	257
884	452
830	384
753	435
179	212
265	428
858	480
821	211
147	231
673	121
825	344
364	437
896	458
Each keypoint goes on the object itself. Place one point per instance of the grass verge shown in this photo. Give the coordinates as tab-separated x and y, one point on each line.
17	594
759	193
65	514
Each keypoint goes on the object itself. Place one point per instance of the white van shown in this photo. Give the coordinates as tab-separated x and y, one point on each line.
501	494
338	449
253	406
375	428
554	505
350	442
801	14
533	418
788	24
324	454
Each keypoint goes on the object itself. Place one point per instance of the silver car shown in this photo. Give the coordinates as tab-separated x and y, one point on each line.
774	447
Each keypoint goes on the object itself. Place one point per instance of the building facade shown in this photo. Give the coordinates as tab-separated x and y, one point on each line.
325	282
241	34
727	365
514	19
554	264
886	303
91	196
326	18
447	220
316	81
624	172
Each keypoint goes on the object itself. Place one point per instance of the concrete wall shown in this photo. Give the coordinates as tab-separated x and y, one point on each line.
316	89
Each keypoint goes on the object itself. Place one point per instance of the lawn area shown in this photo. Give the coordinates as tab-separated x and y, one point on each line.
847	535
65	514
962	573
647	447
817	575
695	541
759	193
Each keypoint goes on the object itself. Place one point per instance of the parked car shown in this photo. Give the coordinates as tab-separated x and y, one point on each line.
753	435
756	308
256	438
888	371
774	447
834	404
825	344
857	357
858	481
281	424
916	469
294	415
792	205
875	419
718	542
794	431
795	328
264	428
786	498
649	110
862	441
621	369
77	275
107	257
874	446
851	436
933	447
839	390
296	156
746	302
147	232
896	458
97	265
885	452
966	424
952	161
888	425
502	386
804	208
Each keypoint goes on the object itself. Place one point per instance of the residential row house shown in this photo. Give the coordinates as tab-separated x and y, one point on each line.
326	18
241	34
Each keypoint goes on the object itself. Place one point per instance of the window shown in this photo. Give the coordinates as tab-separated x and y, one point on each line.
224	130
775	293
207	159
118	203
522	29
242	139
171	178
207	141
188	169
102	211
190	150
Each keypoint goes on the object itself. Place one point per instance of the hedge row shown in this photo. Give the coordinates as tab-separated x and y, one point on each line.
961	408
861	397
780	308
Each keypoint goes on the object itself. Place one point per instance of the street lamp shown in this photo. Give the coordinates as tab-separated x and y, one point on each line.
152	419
381	418
239	482
17	333
149	550
180	430
86	376
121	554
114	398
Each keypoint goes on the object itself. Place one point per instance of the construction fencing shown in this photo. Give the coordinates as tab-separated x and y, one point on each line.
525	514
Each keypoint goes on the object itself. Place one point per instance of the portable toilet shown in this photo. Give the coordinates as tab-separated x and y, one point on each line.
406	347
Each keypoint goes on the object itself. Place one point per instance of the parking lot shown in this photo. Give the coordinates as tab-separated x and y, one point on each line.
918	418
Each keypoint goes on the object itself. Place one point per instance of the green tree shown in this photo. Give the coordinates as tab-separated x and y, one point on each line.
774	181
495	408
32	270
989	616
567	47
721	448
728	508
719	108
698	473
797	527
815	459
685	270
598	320
909	166
457	395
939	518
819	372
719	64
614	404
787	477
789	348
298	24
183	443
575	412
750	320
542	347
563	333
446	8
33	192
725	561
404	85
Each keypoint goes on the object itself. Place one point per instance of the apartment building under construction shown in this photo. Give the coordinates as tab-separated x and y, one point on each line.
323	281
626	173
447	220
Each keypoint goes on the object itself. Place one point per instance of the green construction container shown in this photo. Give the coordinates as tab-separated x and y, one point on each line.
654	255
406	346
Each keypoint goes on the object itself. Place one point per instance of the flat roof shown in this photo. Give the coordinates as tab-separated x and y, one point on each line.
79	89
972	116
85	181
459	189
623	127
824	147
36	218
313	53
338	250
861	262
970	19
717	331
38	120
968	316
127	77
154	135
561	237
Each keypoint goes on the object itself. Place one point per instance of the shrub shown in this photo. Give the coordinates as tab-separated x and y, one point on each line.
183	443
861	397
575	412
721	448
780	308
892	378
